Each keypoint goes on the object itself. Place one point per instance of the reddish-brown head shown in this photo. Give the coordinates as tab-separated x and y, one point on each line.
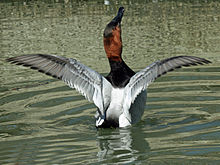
112	37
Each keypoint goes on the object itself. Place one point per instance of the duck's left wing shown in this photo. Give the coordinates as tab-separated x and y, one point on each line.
76	75
143	78
140	81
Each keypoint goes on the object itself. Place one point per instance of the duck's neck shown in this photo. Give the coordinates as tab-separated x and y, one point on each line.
113	45
120	73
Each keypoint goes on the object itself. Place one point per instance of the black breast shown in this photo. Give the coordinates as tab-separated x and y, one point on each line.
120	74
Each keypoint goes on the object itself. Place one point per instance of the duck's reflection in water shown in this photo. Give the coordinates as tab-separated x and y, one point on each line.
122	145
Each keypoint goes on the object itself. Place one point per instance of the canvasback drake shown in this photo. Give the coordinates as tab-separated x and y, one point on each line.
120	97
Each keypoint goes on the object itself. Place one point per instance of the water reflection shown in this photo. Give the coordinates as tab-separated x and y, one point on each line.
122	145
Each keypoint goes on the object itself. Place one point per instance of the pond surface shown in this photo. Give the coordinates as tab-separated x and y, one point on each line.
42	121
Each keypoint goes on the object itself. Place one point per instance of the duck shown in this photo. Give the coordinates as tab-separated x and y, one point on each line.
120	97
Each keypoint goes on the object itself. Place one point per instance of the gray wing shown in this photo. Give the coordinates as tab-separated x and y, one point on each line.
76	75
140	81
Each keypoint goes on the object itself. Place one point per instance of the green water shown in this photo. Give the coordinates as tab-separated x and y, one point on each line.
42	121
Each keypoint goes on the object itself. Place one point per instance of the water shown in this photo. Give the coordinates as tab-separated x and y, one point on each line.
42	121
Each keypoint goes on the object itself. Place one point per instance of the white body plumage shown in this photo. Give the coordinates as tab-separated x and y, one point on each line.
124	117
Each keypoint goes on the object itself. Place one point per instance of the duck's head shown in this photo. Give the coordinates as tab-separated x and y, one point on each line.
112	37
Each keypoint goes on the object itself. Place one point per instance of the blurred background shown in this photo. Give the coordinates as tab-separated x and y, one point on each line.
42	121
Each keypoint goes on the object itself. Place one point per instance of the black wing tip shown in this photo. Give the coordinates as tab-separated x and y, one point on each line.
11	60
200	60
15	60
18	61
207	61
190	61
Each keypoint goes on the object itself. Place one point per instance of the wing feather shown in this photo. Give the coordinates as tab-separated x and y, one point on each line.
140	81
73	73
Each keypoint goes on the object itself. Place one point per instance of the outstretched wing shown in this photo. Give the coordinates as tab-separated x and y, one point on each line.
76	75
140	81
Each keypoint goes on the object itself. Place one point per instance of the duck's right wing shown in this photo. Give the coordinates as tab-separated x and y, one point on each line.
76	75
140	81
